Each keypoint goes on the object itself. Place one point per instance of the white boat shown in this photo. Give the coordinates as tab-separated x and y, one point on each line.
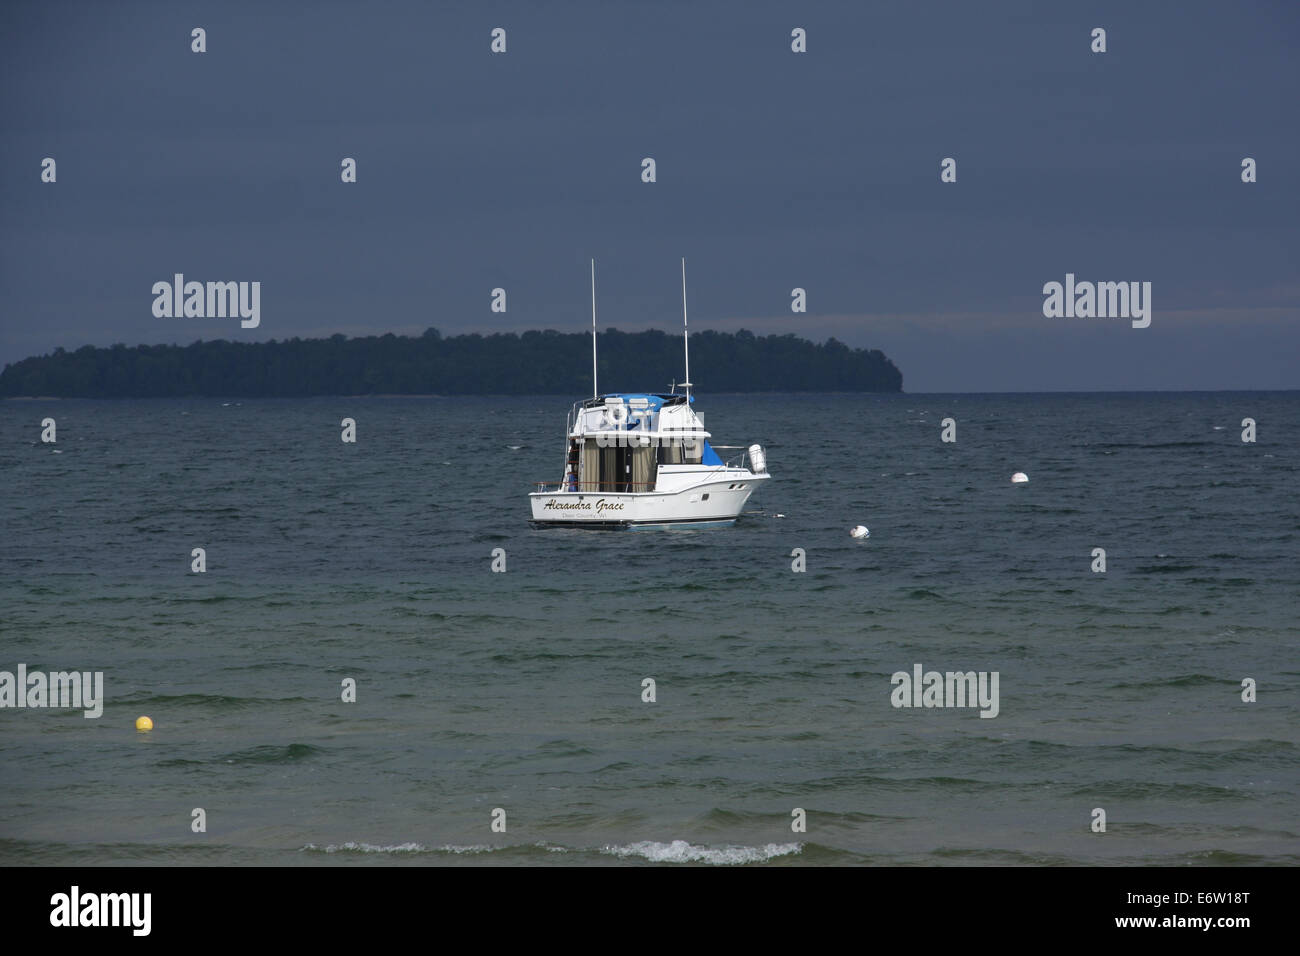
642	459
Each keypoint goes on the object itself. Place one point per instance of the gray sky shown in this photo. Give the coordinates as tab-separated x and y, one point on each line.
775	170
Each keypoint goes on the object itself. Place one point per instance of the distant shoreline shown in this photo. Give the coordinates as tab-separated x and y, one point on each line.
529	363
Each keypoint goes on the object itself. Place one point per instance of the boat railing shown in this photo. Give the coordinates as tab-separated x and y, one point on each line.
593	487
571	420
735	461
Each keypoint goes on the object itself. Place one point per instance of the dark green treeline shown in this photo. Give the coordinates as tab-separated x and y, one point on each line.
502	364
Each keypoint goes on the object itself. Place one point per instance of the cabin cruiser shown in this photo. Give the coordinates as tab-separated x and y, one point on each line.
636	460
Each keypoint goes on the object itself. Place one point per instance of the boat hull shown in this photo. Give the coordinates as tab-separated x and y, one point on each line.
712	503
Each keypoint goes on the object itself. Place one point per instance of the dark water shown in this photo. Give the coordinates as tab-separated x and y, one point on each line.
478	690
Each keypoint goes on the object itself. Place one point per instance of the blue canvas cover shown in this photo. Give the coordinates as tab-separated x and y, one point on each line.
656	400
653	404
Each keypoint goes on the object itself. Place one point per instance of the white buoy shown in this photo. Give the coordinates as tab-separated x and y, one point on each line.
860	532
1019	478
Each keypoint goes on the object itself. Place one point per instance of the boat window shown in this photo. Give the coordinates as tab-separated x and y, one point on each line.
643	469
589	477
679	451
612	466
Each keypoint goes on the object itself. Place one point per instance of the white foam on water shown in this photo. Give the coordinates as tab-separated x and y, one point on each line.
679	851
473	848
354	847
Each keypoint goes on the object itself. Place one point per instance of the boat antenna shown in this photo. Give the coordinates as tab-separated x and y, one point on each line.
594	393
686	336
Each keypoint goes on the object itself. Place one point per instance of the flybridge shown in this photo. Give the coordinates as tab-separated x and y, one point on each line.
653	398
641	420
635	413
632	408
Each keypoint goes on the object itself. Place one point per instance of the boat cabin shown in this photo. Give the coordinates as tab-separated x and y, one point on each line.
621	442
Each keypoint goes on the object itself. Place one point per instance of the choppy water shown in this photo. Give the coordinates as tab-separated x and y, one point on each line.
522	690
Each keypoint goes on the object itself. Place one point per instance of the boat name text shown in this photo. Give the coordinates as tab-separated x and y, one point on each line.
600	506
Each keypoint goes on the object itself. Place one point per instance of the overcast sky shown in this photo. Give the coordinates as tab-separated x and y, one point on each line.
775	170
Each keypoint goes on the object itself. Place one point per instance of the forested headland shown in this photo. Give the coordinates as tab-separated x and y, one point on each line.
531	363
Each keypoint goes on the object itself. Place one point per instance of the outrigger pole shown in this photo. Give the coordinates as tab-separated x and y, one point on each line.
593	327
686	336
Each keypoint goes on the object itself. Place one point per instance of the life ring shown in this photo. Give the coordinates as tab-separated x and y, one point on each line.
617	413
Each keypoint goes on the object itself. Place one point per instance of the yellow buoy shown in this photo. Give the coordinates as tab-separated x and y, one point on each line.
143	723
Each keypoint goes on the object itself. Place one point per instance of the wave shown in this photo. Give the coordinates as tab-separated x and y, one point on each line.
269	753
679	851
676	851
1157	444
1178	680
207	700
354	847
